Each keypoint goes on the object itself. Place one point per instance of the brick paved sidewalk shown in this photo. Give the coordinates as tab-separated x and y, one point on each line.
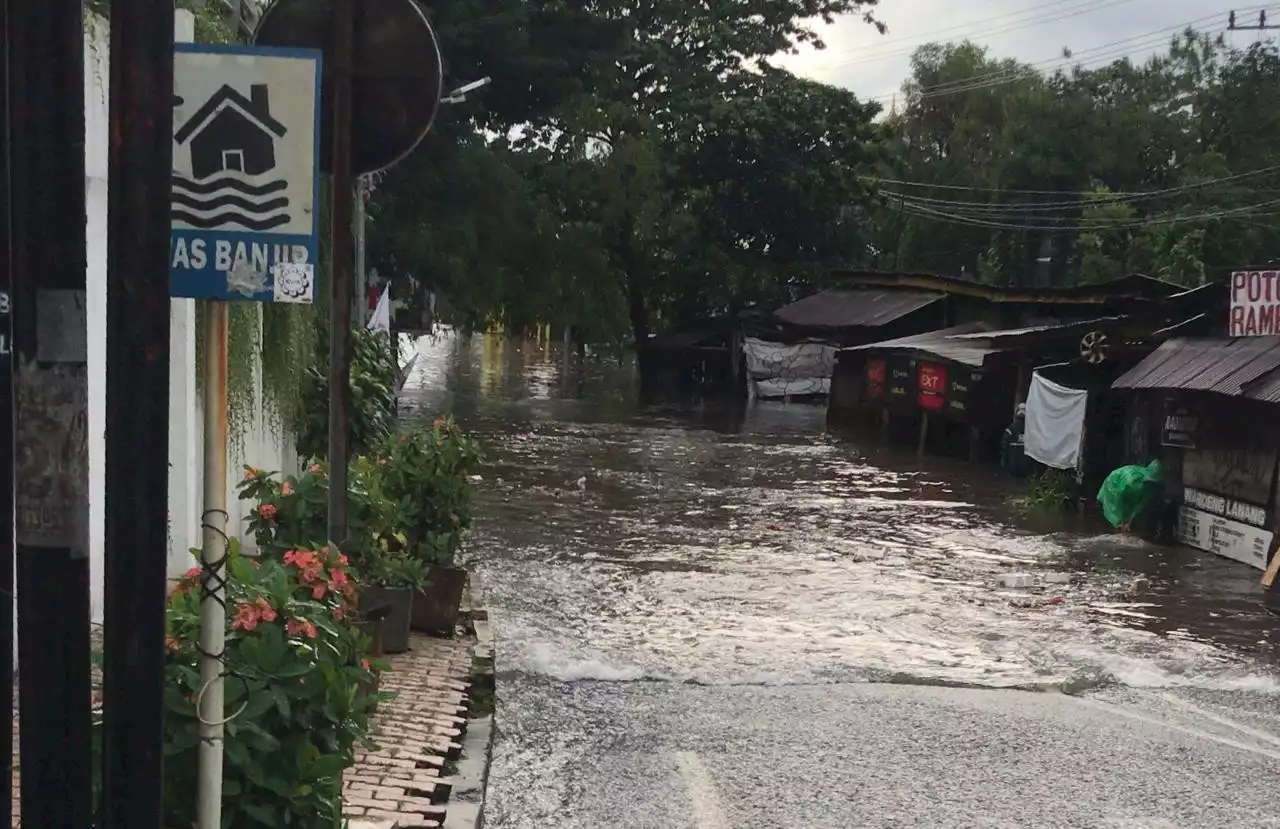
418	733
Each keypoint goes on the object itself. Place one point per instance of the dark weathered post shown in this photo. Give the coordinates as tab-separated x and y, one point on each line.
137	407
342	192
46	108
6	428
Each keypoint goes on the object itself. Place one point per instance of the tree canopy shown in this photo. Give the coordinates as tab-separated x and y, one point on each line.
1166	167
639	164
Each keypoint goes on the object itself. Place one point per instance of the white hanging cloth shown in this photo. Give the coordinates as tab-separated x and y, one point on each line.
381	318
1055	423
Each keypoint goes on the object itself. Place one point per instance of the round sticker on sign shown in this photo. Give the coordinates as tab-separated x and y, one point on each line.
294	282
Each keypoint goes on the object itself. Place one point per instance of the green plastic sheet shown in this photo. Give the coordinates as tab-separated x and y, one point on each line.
1127	491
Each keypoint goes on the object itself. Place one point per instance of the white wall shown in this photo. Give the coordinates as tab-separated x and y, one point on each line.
263	447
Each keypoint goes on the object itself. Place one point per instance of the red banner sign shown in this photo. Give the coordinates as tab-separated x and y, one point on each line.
931	385
876	372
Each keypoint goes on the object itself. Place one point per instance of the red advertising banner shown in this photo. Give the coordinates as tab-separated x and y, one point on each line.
931	385
877	369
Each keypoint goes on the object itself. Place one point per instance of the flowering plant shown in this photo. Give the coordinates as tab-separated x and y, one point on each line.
292	512
296	674
426	473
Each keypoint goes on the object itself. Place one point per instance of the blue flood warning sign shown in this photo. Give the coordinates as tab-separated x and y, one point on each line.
246	140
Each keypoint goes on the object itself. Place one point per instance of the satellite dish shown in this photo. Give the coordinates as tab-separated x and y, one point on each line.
1095	347
397	73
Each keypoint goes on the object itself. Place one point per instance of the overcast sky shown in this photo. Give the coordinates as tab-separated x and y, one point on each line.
1034	31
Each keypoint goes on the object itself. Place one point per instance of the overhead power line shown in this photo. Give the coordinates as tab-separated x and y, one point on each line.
1086	200
1133	195
982	27
1246	211
1088	58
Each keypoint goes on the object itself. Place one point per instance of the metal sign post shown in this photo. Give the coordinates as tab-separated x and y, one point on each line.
137	412
45	51
6	426
244	227
343	192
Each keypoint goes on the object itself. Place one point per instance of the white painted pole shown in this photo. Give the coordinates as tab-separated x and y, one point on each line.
213	615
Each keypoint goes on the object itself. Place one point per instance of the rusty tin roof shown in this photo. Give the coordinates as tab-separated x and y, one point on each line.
1240	367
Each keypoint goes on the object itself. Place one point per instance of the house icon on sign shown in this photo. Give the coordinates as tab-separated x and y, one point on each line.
232	133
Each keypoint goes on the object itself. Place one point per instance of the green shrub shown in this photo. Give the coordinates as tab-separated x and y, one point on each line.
293	511
1051	489
296	692
375	369
426	473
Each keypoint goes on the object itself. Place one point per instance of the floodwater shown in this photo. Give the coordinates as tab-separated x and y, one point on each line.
630	549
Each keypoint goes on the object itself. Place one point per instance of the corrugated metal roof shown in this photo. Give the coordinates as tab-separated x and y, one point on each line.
973	343
1007	333
1266	388
1234	367
948	343
854	309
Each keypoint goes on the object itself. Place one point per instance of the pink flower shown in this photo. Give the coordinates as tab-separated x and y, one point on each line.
267	612
285	489
300	627
247	617
267	512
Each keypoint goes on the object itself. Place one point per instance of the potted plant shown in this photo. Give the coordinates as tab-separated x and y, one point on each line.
391	577
426	475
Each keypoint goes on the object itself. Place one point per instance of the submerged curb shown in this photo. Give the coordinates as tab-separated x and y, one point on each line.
466	804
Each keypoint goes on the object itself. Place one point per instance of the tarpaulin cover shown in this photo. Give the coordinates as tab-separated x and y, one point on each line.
781	370
1055	423
1128	490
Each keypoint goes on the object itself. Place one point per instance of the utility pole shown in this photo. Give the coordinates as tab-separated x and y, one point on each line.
6	425
137	413
343	193
45	50
1260	26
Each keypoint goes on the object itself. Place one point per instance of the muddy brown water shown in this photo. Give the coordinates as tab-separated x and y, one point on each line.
619	541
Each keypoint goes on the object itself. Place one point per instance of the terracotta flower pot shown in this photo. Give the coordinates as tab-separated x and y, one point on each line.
435	607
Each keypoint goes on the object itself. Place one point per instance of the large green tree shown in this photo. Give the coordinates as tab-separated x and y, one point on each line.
641	163
1164	167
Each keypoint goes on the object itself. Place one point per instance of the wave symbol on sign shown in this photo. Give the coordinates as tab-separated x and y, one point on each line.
231	139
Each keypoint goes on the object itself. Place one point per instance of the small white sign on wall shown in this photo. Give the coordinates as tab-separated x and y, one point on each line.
1230	539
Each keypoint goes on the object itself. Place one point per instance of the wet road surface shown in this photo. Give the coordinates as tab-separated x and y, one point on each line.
716	620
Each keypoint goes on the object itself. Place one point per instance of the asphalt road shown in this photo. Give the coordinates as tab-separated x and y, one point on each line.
654	755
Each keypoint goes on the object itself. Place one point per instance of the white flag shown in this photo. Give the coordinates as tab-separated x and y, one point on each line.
381	319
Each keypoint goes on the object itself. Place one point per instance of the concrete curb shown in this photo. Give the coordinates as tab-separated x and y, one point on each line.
466	801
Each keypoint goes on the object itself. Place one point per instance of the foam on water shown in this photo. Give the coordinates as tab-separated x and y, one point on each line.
777	555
